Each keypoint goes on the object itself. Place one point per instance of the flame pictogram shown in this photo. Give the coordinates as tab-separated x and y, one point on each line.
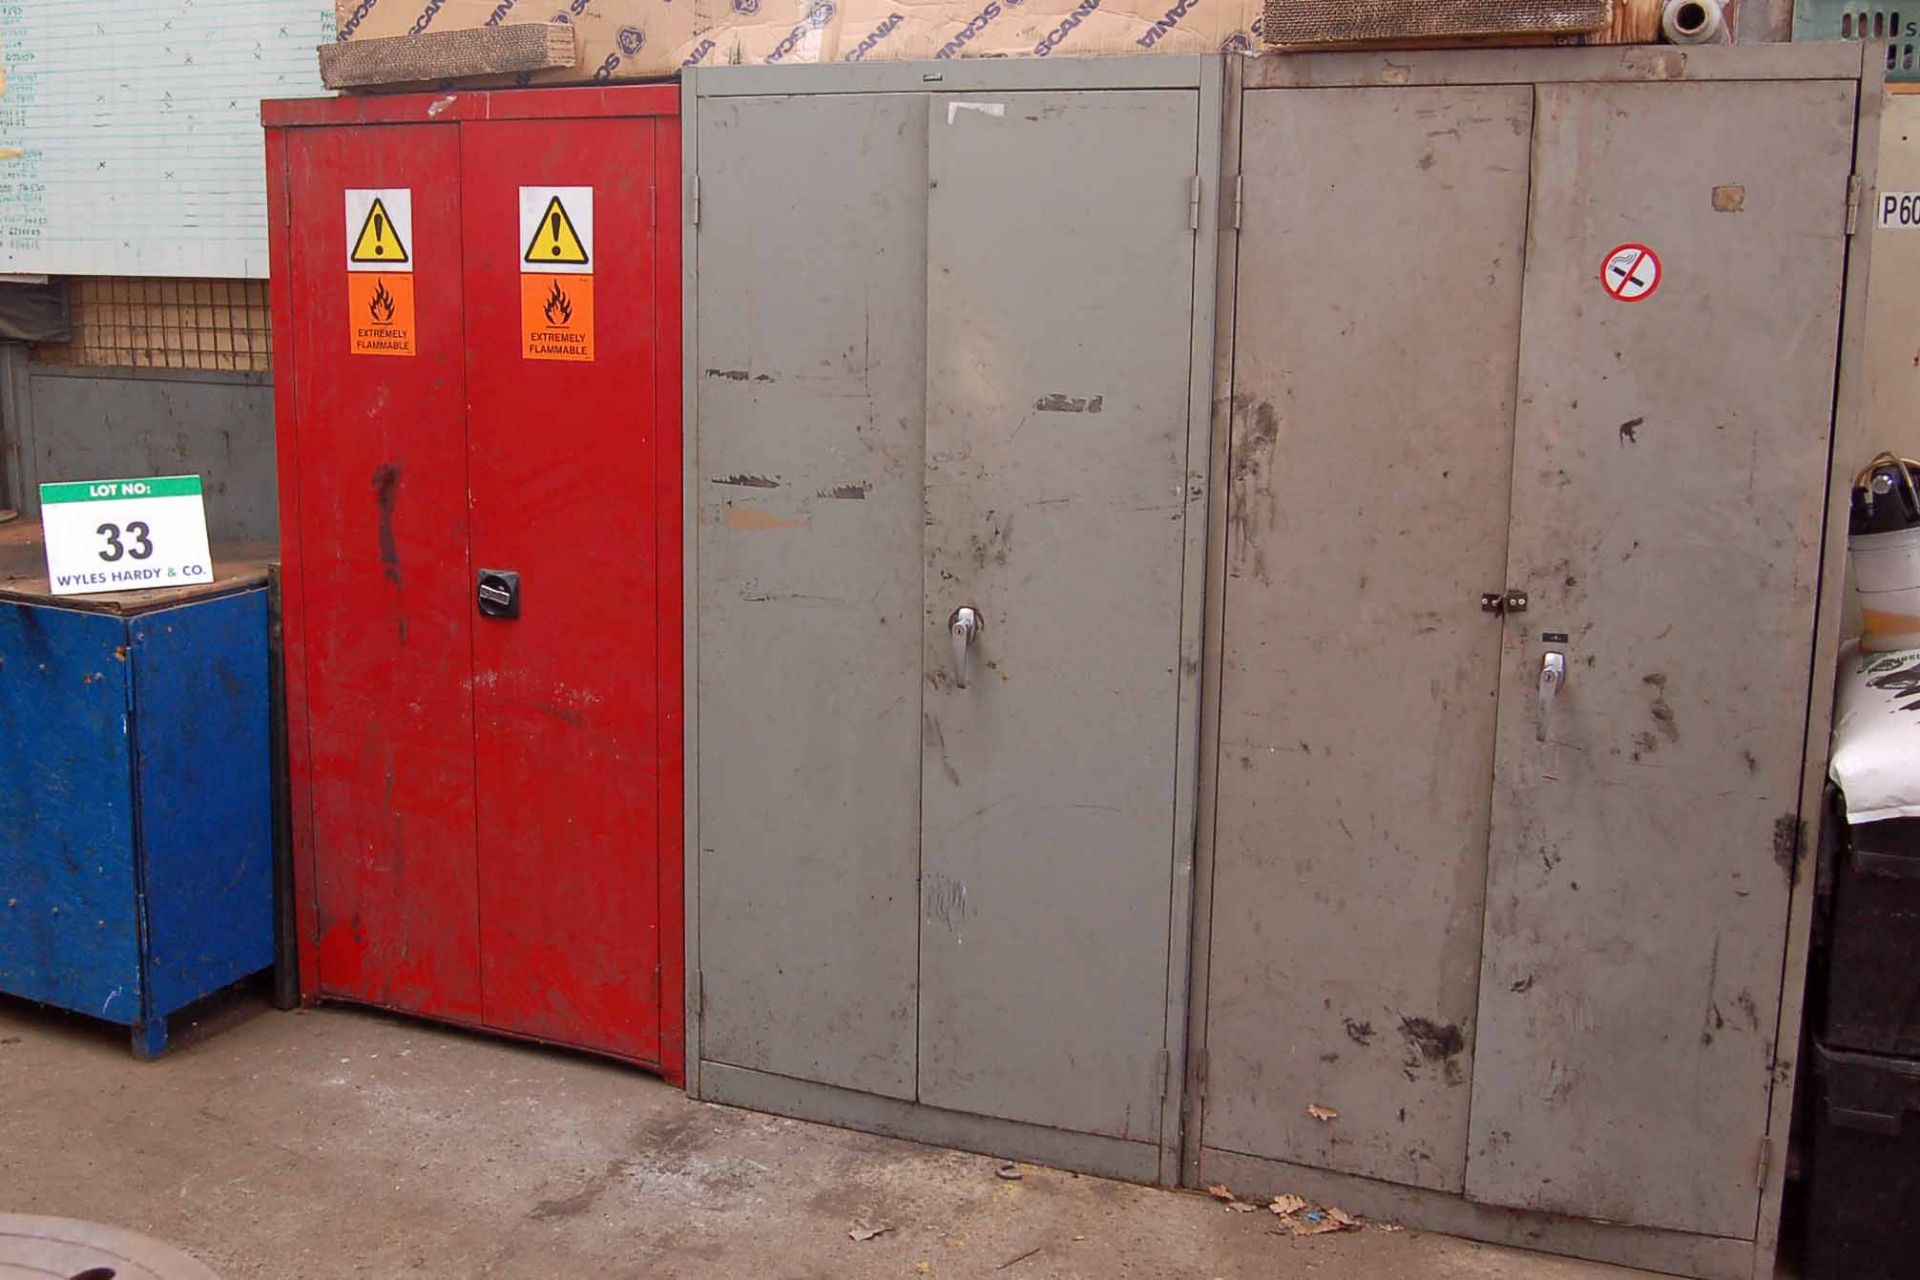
559	309
380	305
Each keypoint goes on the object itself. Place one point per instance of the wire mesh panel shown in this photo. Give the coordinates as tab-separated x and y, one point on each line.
166	324
1897	23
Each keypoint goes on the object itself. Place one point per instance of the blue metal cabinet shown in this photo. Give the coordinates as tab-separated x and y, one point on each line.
136	843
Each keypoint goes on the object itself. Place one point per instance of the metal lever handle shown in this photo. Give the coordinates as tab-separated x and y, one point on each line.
1553	674
498	593
965	625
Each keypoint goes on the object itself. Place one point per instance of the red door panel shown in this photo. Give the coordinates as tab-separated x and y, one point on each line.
563	492
386	600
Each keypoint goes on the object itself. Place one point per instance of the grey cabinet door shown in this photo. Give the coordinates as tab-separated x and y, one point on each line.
1059	294
1376	336
1669	479
809	391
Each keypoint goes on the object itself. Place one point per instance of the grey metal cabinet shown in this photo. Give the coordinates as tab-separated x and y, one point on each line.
804	780
948	332
1376	341
1519	598
1647	821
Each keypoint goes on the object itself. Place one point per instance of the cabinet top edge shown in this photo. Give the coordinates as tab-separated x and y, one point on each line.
957	75
1656	63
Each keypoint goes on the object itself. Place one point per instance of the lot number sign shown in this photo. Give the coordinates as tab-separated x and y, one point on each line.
124	535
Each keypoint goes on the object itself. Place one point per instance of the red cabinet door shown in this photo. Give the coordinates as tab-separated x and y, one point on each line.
380	489
564	423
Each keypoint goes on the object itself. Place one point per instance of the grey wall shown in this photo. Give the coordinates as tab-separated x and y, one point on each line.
63	423
1765	21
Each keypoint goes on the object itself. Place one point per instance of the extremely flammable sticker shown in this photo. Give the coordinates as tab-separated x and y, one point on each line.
380	272
556	273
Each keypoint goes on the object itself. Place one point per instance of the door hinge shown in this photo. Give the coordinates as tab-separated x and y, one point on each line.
693	211
653	207
1239	196
1512	601
1200	1074
1163	1066
1764	1164
1853	202
700	995
1193	204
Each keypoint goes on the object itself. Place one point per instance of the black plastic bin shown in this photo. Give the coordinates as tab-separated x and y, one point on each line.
1863	1211
1873	965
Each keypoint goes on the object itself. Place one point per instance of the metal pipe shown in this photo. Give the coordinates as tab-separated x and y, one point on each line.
1695	22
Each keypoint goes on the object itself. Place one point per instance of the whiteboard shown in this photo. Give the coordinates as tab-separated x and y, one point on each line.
138	128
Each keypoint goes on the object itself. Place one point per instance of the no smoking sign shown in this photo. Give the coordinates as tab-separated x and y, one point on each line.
1630	273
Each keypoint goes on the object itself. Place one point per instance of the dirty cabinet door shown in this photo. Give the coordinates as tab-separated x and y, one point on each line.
383	459
1059	269
812	301
1377	330
562	371
1669	479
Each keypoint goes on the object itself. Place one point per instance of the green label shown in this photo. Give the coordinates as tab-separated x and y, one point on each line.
119	490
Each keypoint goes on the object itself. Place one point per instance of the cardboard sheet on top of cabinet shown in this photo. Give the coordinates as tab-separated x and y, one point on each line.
642	39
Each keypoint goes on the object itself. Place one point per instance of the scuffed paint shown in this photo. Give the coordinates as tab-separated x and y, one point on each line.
753	521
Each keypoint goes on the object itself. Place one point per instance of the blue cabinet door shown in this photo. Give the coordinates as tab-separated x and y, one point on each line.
69	903
202	774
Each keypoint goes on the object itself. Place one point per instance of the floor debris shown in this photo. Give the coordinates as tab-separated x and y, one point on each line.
1010	1172
1232	1203
862	1231
1021	1257
1300	1217
1320	1113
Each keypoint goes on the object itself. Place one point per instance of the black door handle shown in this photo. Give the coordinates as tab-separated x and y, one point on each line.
498	594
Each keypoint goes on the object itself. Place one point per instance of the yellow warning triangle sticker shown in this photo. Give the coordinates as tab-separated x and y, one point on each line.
555	240
378	242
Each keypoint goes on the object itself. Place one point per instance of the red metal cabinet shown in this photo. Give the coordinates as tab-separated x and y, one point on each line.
477	381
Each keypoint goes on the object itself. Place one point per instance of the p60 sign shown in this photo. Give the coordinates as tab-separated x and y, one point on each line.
1900	209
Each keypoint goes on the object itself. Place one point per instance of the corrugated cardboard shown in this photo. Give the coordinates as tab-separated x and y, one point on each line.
643	39
1041	28
640	39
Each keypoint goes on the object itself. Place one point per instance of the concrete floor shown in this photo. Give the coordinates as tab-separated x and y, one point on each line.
333	1142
